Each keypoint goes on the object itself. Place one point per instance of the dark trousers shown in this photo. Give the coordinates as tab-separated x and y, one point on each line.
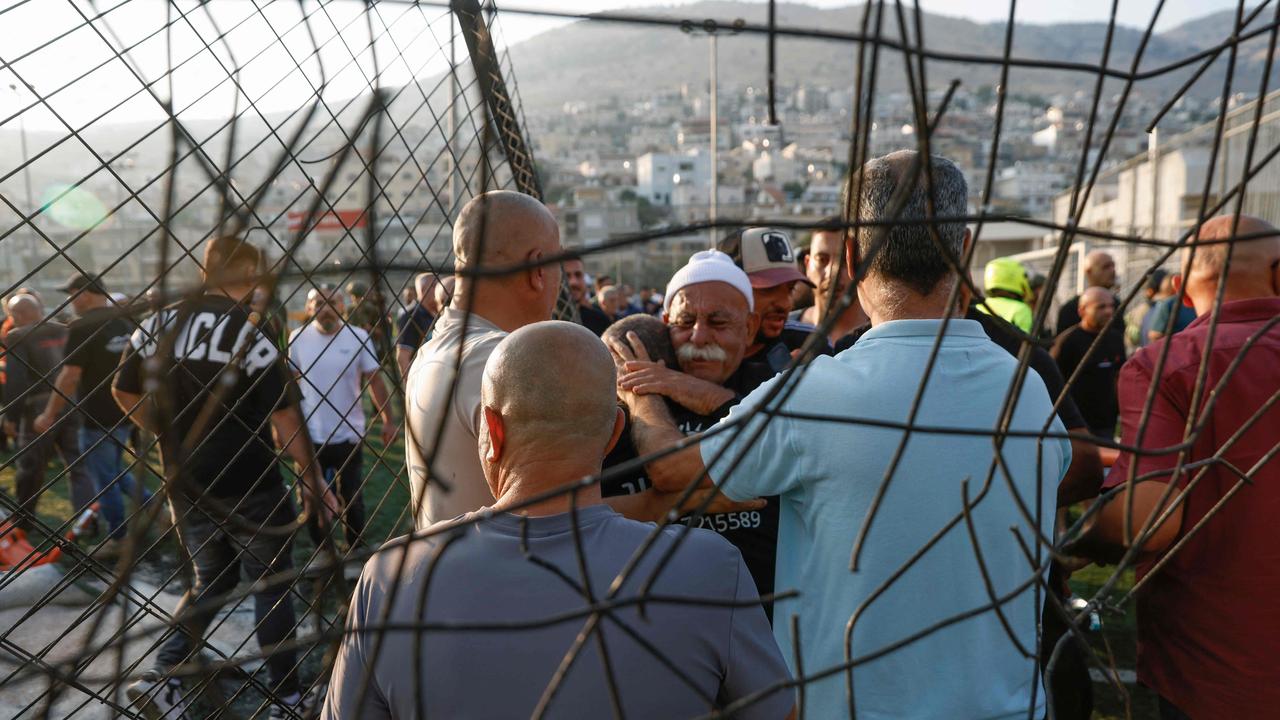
219	552
342	465
1069	682
1169	711
34	453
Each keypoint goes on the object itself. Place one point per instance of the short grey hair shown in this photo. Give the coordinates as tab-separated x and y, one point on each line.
653	333
909	255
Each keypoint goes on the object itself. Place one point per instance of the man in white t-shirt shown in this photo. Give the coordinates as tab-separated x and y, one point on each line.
334	362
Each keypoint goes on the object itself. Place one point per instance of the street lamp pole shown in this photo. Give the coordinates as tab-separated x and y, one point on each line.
715	149
712	29
26	160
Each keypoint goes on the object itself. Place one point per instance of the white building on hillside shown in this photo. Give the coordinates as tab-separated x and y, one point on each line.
658	174
1159	194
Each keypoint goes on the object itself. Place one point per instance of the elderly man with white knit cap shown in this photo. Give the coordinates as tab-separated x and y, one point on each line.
709	310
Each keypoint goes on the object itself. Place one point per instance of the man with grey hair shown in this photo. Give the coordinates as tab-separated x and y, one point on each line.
843	484
496	230
549	417
611	302
33	351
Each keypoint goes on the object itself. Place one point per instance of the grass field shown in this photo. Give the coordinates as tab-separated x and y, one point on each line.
1116	643
387	500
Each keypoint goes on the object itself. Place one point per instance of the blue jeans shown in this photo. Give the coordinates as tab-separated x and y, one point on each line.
104	458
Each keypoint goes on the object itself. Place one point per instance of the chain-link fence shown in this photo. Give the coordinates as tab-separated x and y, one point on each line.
342	141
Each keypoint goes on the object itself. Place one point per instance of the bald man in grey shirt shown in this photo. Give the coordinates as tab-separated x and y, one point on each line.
522	561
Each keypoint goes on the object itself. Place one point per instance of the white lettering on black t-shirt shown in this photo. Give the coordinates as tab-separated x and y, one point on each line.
204	338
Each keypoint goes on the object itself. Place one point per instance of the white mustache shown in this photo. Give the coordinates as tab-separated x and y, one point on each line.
712	353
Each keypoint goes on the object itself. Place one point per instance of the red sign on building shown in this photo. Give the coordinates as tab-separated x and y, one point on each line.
330	220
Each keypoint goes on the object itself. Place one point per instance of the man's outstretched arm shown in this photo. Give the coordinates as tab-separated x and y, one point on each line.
646	377
654	430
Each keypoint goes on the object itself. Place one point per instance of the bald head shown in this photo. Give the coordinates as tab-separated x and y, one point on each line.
1094	295
1097	306
552	387
444	292
1255	261
24	309
1247	256
424	285
501	228
504	229
1100	269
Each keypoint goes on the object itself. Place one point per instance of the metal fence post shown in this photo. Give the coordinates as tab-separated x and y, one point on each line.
502	116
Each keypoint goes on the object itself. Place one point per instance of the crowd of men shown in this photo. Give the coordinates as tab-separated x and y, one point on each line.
507	413
767	487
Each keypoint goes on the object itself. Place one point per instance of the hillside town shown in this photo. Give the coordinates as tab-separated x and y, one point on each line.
618	166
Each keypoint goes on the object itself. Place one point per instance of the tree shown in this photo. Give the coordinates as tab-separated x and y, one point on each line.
648	214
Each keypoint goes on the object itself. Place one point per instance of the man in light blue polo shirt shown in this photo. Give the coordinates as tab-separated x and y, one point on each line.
924	641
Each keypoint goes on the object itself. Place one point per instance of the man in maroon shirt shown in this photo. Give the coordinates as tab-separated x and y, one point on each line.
1209	618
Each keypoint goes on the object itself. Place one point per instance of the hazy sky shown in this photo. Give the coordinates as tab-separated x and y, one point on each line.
48	46
1131	12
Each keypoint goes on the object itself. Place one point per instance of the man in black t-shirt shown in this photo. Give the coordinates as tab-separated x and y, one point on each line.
575	276
1072	686
212	386
33	349
767	257
413	327
95	342
1094	391
708	313
1099	272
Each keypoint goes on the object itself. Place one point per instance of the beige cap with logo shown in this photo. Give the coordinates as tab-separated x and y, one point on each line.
765	254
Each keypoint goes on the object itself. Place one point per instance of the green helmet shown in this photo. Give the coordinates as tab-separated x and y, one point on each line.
1007	274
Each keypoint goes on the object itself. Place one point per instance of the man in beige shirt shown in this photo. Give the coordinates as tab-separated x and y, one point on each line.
499	229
